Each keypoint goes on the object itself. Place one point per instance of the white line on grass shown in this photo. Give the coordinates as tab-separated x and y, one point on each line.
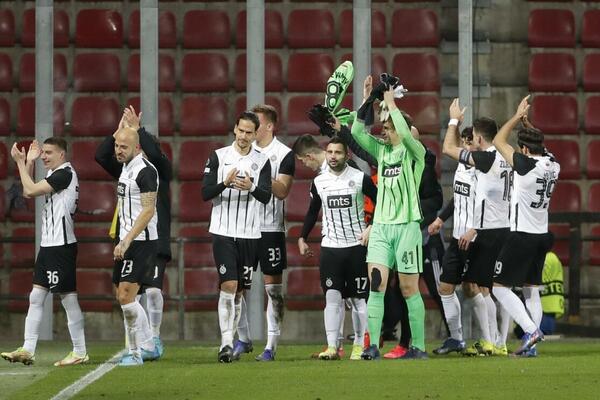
88	379
18	373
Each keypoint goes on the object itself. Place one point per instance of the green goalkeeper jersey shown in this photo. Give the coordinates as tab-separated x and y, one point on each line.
399	172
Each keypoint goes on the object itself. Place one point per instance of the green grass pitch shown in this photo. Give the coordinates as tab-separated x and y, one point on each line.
568	368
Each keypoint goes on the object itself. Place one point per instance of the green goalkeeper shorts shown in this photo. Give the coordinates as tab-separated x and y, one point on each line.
397	246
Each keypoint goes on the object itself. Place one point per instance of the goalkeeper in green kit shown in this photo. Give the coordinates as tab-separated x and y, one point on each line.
395	244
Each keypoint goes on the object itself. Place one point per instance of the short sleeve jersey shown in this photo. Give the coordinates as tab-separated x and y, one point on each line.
60	207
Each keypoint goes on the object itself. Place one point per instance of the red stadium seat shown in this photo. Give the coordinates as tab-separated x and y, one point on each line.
595	246
593	204
96	254
166	118
591	73
206	29
378	35
7	28
310	29
297	120
6	79
304	290
551	28
96	284
197	254
204	116
94	116
193	157
555	114
26	116
97	72
566	198
4	117
166	73
436	148
23	210
99	29
83	153
240	106
561	246
552	72
205	72
97	201
567	154
273	73
3	172
298	201
202	282
274	38
415	28
419	71
167	31
22	255
424	111
593	161
27	73
61	28
592	116
309	72
3	200
295	259
20	285
191	206
378	66
590	32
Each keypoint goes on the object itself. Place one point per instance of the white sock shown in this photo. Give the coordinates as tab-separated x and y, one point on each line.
75	322
340	338
504	326
481	315
533	302
452	313
333	298
34	318
142	329
515	308
226	309
243	329
466	314
274	314
359	320
155	304
130	312
492	317
237	303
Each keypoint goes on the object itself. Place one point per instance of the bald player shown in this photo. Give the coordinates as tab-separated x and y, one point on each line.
135	254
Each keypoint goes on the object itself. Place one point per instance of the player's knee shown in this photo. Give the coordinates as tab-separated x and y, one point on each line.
375	280
230	287
409	289
445	289
470	289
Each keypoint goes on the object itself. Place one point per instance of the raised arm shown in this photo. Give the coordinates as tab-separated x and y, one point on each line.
346	136
30	188
501	138
451	146
413	146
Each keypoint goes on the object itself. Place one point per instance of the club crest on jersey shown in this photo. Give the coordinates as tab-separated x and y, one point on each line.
461	188
273	158
121	189
351	183
392	170
254	166
222	269
328	282
130	175
339	201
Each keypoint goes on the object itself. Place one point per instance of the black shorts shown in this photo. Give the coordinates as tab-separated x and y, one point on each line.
521	259
235	259
138	261
272	255
454	264
55	268
484	253
345	270
156	274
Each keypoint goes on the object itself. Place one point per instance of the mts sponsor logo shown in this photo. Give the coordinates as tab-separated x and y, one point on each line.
121	187
392	170
339	201
462	188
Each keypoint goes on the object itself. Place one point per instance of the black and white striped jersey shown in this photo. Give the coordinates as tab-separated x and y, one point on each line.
492	193
60	206
236	213
533	182
137	177
272	214
342	200
464	199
